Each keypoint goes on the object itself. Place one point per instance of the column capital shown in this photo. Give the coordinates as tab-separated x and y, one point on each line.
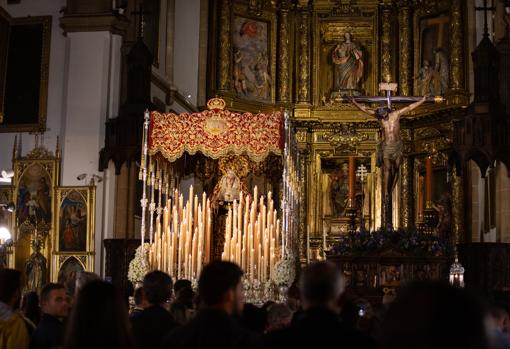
111	22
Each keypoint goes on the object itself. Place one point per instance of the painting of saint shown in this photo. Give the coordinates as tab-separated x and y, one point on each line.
347	58
251	65
73	223
34	195
68	273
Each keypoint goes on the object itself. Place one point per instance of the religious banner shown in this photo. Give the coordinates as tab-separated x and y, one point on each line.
216	133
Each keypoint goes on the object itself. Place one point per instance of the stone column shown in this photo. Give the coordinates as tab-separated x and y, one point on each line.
457	207
283	53
303	78
386	43
92	96
407	197
457	53
405	81
224	48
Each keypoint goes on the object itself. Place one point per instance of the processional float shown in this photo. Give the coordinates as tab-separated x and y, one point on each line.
259	236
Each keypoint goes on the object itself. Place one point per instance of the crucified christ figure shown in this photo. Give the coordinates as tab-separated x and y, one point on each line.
392	146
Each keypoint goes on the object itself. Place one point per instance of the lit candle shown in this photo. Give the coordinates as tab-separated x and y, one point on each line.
428	182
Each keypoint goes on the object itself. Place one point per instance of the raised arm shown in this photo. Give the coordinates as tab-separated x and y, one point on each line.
362	107
412	106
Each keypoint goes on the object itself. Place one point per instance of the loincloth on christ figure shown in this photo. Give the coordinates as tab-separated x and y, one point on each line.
392	151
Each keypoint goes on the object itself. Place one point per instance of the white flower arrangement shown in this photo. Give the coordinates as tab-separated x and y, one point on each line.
139	265
285	272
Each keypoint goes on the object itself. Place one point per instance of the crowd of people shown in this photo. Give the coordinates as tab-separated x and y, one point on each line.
319	312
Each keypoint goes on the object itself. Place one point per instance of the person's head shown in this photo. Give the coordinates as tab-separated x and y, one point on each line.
279	316
382	112
10	287
185	296
82	279
30	306
100	310
426	63
54	300
254	318
182	283
220	286
321	284
433	315
157	286
347	36
140	300
500	318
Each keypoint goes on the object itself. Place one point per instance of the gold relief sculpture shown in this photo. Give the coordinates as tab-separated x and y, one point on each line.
407	216
224	47
405	54
283	57
457	207
386	45
457	52
304	57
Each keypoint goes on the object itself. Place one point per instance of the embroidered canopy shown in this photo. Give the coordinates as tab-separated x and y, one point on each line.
216	132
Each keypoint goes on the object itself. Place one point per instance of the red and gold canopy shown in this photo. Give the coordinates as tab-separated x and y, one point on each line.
216	133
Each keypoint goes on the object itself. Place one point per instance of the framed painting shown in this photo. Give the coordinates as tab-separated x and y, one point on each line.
432	44
34	194
70	268
26	80
74	219
253	57
5	29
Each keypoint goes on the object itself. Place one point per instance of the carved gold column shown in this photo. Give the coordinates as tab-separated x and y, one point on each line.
283	53
405	50
304	56
386	43
457	207
224	50
407	197
457	55
303	159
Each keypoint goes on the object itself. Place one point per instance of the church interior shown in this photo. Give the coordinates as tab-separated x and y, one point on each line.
143	135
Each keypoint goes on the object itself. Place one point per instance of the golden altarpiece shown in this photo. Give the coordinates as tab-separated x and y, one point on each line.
52	225
267	55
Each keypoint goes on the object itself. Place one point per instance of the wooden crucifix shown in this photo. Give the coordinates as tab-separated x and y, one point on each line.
391	149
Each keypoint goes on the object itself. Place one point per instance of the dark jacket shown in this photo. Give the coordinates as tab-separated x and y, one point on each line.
316	328
151	326
48	334
211	328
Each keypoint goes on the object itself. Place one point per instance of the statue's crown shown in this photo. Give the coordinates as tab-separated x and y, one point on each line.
216	103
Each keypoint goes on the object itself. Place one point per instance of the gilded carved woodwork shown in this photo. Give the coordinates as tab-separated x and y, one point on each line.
283	56
386	44
304	57
405	50
407	197
457	54
457	207
224	55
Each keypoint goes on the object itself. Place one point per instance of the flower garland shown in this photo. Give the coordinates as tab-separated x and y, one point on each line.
406	241
138	267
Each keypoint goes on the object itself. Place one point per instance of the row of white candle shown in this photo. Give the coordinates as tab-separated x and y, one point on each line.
182	242
252	236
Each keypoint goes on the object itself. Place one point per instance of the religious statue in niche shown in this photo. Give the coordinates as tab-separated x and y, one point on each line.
35	268
441	70
347	59
443	207
251	65
338	191
424	79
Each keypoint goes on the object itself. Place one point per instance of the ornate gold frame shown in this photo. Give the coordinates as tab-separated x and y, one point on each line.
7	192
86	258
43	85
